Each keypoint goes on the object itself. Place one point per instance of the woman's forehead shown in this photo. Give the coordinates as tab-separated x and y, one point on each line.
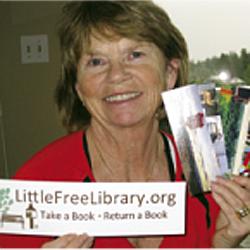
104	35
99	42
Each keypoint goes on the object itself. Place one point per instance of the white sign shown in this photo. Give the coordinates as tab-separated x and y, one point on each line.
98	209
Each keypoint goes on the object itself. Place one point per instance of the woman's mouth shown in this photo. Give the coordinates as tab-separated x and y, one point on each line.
122	97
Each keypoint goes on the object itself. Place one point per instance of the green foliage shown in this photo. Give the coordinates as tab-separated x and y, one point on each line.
246	75
5	200
237	65
231	115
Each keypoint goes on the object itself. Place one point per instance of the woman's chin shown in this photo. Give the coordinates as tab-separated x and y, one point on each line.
127	121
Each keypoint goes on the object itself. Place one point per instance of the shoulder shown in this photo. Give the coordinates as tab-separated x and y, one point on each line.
60	160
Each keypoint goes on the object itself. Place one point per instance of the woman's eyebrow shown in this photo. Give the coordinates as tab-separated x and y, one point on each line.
92	52
127	48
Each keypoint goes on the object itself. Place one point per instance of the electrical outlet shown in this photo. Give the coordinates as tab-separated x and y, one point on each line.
34	49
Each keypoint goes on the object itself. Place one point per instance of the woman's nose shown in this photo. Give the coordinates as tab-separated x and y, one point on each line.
116	72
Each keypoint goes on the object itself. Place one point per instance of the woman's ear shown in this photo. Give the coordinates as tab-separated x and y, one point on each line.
78	91
172	73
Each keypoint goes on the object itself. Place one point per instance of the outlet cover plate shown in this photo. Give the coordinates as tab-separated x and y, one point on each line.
34	49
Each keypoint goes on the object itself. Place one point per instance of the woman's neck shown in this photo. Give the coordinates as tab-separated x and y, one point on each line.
128	154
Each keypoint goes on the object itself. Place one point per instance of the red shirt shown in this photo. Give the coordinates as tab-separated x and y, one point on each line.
66	160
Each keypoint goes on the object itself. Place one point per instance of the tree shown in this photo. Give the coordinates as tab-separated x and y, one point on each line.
246	75
5	200
237	65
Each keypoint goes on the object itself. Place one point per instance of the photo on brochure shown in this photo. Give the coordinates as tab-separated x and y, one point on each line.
188	124
211	109
234	108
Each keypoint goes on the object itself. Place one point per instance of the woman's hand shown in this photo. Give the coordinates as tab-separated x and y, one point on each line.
71	241
233	223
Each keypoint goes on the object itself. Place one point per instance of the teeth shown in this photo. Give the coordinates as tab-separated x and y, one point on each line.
122	97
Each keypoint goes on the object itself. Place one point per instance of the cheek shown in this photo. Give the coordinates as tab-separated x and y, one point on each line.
154	77
153	83
88	87
158	84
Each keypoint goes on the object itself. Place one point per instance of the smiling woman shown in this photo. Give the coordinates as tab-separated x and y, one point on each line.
117	58
119	81
108	23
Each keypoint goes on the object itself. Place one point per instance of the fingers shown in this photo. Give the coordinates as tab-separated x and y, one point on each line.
228	209
70	241
235	191
243	181
59	242
232	196
80	241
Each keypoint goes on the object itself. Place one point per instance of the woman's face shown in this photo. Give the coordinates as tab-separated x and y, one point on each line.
120	81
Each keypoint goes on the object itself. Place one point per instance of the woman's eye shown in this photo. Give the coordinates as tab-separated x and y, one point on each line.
136	54
95	62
